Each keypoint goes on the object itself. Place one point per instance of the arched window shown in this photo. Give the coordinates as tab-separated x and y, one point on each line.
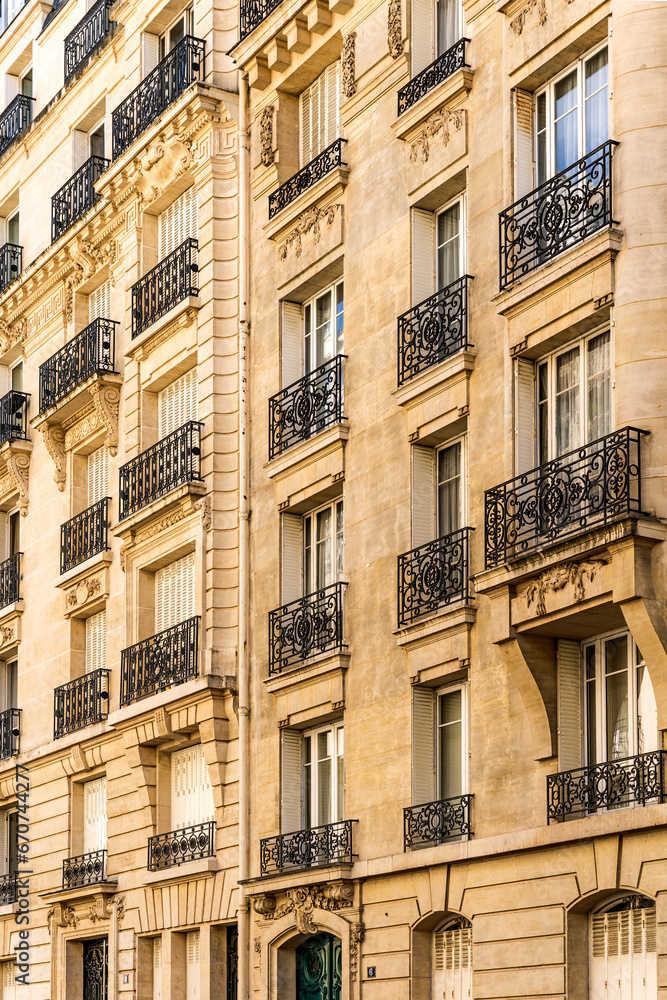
318	968
452	960
623	957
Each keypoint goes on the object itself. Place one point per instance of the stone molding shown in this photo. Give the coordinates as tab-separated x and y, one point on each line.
310	223
303	901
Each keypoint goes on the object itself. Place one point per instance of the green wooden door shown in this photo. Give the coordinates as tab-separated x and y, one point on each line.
318	968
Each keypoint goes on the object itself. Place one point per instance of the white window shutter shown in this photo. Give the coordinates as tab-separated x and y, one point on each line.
423	255
177	403
523	143
423	745
292	360
96	641
453	964
175	595
99	302
150	52
305	101
292	558
423	495
11	87
524	379
421	34
98	475
4	380
3	232
192	974
178	222
79	148
290	780
8	981
157	968
332	107
569	705
4	842
191	791
95	815
4	539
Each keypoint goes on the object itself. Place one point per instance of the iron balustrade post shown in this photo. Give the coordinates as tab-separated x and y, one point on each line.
10	579
442	67
307	406
90	352
87	36
76	196
10	732
80	703
308	626
159	662
185	64
172	462
14	416
433	330
433	576
171	281
11	264
168	850
84	535
557	215
14	120
319	167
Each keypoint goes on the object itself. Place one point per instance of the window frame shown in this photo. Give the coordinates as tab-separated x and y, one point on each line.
460	200
309	336
310	549
315	148
459	440
310	803
464	688
188	16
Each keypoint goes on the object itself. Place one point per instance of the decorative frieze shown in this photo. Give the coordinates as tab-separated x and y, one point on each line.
311	224
160	166
87	260
394	29
558	577
517	23
303	902
267	154
349	82
443	121
83	592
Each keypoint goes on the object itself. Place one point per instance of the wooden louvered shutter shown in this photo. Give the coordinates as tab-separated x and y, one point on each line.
305	123
8	981
4	538
99	302
177	403
95	815
192	975
11	86
96	641
191	791
98	475
157	968
423	255
4	842
292	347
453	963
150	52
175	597
4	380
523	143
290	780
421	34
79	148
332	104
3	232
569	705
292	557
524	409
423	495
423	745
178	222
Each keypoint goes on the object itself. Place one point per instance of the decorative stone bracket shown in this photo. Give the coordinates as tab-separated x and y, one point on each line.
16	456
54	440
531	663
106	399
303	901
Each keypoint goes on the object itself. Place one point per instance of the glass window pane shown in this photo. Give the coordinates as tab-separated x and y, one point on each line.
449	489
566	125
450	745
307	338
616	694
591	706
449	245
339	540
323	329
324	778
542	164
307	783
596	91
568	434
324	549
598	401
543	413
447	24
308	554
647	713
339	318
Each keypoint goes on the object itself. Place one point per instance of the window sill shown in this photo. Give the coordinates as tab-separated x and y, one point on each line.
76	399
182	315
328	188
452	91
436	398
201	868
188	495
438	646
83	569
313	689
81	893
309	471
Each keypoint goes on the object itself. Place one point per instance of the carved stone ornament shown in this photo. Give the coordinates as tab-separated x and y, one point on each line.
160	166
83	592
88	260
119	903
18	468
13	334
517	23
264	905
303	901
6	634
107	399
394	29
558	577
54	439
258	946
356	937
204	505
347	61
444	120
267	155
311	221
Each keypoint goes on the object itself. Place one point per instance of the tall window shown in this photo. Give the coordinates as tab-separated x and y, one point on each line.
436	26
437	491
323	776
192	973
323	327
98	475
95	815
623	956
319	113
440	743
323	547
177	403
156	46
86	144
438	249
175	599
178	222
99	302
9	676
9	854
191	791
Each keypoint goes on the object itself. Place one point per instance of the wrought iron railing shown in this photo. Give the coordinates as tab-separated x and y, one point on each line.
86	36
434	330
323	164
161	87
432	576
167	850
84	535
306	407
76	196
14	416
583	489
10	732
160	662
167	284
436	822
11	264
90	352
557	215
173	461
314	848
80	703
253	12
14	120
442	67
85	869
615	784
305	627
9	888
10	580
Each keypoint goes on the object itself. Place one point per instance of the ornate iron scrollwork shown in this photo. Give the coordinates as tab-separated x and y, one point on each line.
80	703
95	969
319	973
306	407
85	869
175	278
614	784
189	844
253	12
75	197
442	67
14	120
433	576
309	625
14	416
11	264
314	848
91	351
319	167
10	579
84	535
10	732
433	330
86	36
173	461
168	658
437	822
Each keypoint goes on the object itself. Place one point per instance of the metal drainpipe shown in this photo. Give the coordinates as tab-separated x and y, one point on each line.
244	535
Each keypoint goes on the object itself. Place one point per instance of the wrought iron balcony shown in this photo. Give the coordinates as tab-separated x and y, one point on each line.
434	330
11	264
167	284
314	848
14	120
189	844
76	196
322	165
433	576
88	34
10	732
437	822
442	67
80	703
306	407
10	580
84	535
160	662
253	12
161	87
14	416
9	888
85	869
91	352
557	215
172	462
615	784
583	489
303	628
